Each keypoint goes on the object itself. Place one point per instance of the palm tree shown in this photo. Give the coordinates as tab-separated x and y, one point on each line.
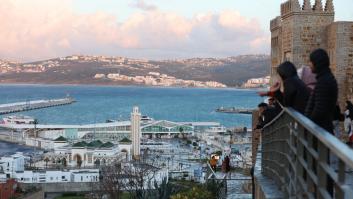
79	162
181	130
46	160
64	162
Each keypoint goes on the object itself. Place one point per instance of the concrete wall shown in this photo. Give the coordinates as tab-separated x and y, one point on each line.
265	188
36	195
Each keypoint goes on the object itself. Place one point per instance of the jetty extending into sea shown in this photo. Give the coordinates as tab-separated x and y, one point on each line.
36	104
234	110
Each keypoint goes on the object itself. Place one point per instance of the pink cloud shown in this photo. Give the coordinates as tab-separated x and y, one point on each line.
40	29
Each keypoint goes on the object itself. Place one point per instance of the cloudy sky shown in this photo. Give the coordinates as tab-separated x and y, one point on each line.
152	29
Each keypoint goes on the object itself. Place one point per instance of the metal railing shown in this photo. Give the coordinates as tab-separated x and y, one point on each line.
300	157
212	176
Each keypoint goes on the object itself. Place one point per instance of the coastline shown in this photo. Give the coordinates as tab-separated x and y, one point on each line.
121	86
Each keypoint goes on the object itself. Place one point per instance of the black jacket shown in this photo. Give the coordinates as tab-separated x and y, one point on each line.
322	102
266	117
296	93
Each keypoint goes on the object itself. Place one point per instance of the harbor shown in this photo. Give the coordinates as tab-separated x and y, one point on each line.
79	142
35	104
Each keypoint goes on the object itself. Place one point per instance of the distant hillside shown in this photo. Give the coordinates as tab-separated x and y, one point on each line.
232	71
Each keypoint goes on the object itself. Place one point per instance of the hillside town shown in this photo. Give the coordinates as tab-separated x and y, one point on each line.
194	72
261	82
157	79
67	157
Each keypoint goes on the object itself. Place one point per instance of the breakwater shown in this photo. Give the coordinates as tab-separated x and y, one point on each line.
31	105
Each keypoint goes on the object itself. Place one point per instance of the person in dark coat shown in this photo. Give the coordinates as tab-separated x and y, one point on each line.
227	164
322	102
266	115
295	92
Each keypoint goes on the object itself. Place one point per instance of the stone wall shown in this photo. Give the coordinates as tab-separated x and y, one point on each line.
36	195
340	49
256	135
303	28
276	44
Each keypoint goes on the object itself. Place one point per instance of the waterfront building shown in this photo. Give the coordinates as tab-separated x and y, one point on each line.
113	131
135	132
166	129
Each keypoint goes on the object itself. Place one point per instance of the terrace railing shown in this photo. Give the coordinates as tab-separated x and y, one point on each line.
304	160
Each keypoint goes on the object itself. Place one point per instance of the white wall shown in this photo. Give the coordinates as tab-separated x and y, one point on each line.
86	175
91	175
13	163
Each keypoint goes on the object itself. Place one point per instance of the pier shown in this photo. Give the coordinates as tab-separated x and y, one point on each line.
234	110
31	105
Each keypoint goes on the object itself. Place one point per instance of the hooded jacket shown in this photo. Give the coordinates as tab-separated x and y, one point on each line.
322	102
295	93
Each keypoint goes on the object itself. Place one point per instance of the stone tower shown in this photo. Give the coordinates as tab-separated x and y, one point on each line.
135	132
303	28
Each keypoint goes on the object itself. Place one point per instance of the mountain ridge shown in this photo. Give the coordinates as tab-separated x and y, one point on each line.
81	69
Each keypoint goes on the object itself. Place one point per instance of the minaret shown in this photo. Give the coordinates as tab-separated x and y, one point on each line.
318	5
307	5
329	6
135	132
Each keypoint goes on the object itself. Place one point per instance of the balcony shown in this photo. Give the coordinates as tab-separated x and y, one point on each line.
298	159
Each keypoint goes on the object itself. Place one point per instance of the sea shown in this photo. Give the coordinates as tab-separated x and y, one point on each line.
96	104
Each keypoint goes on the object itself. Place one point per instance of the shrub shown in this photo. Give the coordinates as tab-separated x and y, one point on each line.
196	192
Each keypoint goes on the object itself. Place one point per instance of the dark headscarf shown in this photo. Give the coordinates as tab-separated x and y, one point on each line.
320	60
287	70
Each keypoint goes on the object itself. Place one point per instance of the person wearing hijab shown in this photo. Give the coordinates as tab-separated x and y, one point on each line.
308	77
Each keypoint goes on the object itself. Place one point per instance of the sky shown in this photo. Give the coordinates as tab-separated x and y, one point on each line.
151	29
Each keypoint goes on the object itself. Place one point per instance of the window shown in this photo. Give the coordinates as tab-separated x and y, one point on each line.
81	178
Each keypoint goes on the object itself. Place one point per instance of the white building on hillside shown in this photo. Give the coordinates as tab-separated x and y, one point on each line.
48	176
13	163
